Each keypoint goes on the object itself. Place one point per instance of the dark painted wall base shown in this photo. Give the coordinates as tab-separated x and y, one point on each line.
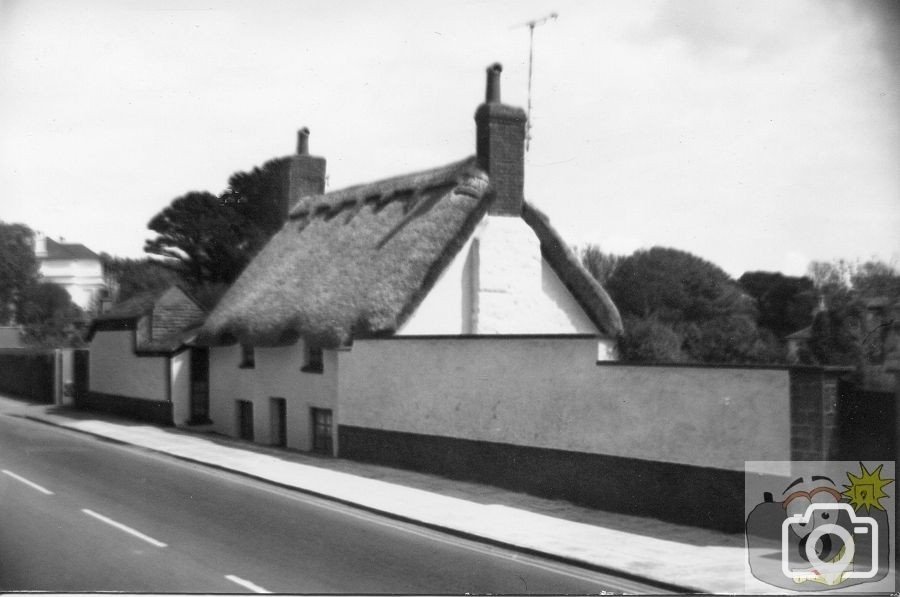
692	495
152	411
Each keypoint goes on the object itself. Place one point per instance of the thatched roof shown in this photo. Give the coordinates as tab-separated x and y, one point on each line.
357	262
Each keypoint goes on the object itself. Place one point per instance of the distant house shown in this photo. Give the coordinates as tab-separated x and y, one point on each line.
447	253
797	342
11	337
72	266
140	364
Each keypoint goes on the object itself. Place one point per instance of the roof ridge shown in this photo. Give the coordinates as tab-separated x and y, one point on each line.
384	189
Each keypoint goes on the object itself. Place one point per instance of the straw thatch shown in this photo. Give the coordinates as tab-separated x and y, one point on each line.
352	262
357	262
584	287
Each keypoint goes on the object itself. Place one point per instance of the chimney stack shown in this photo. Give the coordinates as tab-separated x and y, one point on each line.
304	175
40	244
500	142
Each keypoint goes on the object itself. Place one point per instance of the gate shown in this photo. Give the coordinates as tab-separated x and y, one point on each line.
866	425
80	376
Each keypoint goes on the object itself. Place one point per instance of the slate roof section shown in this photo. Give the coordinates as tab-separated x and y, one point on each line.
357	262
67	251
163	320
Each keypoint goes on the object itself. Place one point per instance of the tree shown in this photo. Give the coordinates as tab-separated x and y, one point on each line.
257	196
128	277
650	341
18	268
785	303
50	318
682	299
204	238
843	332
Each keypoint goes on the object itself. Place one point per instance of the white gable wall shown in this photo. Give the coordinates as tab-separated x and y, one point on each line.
499	283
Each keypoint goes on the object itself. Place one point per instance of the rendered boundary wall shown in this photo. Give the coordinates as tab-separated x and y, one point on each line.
540	415
151	411
28	374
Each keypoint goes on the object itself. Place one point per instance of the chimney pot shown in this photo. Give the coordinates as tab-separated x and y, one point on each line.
303	141
492	91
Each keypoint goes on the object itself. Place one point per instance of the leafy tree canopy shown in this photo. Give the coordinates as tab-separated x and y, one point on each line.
18	267
128	277
845	331
257	196
50	318
206	239
679	307
784	303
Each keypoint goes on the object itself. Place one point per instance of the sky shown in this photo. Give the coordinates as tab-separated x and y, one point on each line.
757	134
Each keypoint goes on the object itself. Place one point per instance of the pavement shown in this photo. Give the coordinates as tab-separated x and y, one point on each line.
675	557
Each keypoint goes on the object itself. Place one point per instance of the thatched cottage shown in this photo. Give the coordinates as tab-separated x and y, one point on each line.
449	253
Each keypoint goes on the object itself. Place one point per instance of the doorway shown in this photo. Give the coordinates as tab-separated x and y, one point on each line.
199	387
278	410
321	421
245	419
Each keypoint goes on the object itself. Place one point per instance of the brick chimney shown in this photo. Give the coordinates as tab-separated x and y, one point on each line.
500	142
304	175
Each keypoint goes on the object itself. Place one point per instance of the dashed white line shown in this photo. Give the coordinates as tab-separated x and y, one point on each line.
124	528
246	584
27	482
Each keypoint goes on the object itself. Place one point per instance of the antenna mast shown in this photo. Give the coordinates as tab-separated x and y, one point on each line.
531	25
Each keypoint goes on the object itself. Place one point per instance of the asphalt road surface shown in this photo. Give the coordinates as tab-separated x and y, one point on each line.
81	514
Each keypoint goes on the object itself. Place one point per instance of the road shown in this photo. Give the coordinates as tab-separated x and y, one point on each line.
81	514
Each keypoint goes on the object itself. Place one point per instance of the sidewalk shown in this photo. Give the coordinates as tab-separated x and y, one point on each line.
684	558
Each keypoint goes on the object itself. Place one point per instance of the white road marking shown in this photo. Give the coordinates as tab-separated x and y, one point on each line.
246	584
447	539
123	527
548	565
27	482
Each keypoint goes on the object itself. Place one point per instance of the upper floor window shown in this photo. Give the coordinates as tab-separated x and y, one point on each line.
314	362
248	357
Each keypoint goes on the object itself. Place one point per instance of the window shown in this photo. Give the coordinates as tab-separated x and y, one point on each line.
314	362
248	357
321	420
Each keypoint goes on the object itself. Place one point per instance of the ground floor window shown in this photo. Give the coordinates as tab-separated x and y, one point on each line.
245	419
321	420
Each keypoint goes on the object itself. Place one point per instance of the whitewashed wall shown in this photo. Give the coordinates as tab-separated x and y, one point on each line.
276	374
550	393
180	366
115	369
499	284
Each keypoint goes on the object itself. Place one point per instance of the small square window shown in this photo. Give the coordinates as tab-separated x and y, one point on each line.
248	357
314	363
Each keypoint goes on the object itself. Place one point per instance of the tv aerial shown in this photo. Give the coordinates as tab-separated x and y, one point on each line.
531	25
